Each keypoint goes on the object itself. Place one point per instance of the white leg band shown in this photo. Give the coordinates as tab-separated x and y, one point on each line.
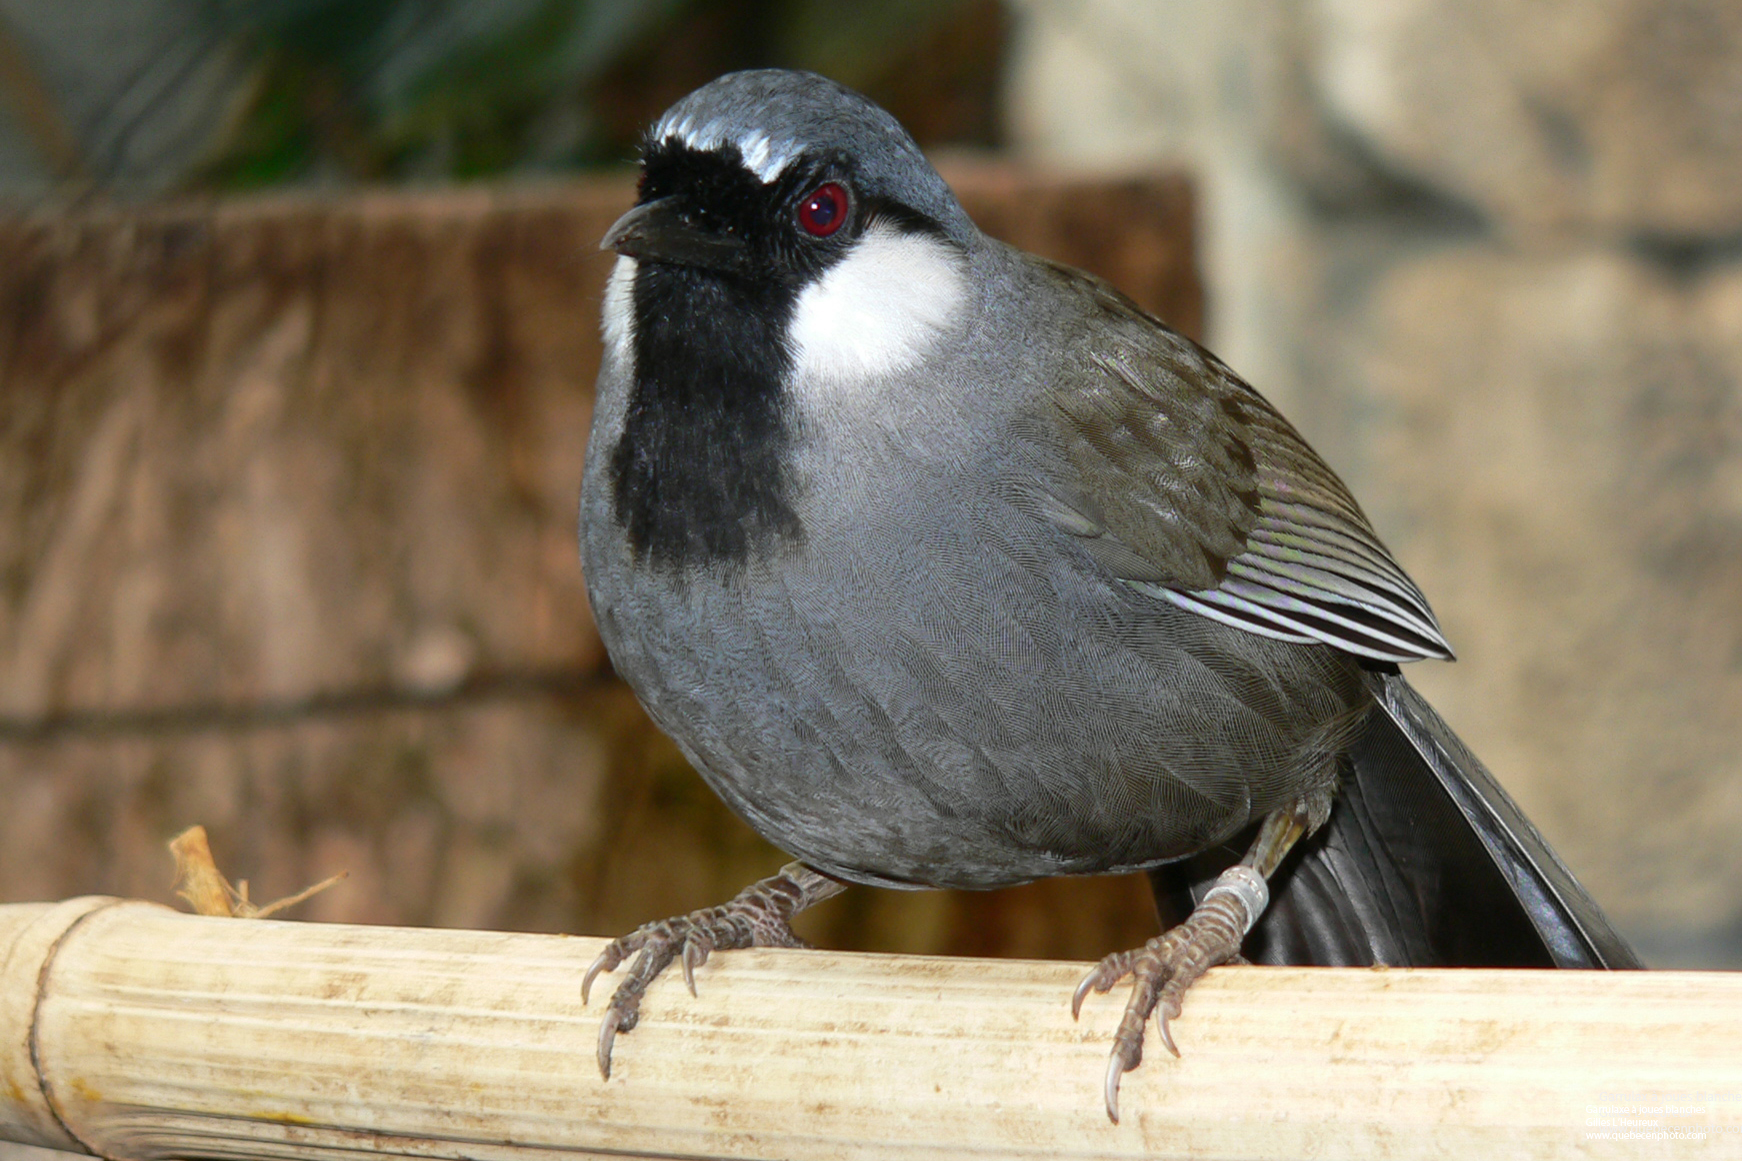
1245	885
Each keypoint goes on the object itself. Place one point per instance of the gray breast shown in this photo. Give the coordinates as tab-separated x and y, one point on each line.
938	687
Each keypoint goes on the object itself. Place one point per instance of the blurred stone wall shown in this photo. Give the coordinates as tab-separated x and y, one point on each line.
1488	255
288	490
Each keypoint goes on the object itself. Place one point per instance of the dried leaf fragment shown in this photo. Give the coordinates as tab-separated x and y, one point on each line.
198	881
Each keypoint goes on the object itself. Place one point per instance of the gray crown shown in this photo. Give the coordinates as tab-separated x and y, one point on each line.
776	116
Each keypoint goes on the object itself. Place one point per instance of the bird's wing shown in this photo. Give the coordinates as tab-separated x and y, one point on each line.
1190	486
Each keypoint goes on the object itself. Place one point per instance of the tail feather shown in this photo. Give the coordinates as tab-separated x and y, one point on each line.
1425	861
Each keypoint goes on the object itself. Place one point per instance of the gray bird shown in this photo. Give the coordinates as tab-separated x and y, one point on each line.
948	566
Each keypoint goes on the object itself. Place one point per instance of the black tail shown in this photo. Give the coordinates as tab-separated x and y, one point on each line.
1425	862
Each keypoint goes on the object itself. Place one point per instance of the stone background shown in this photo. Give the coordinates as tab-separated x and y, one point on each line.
1488	255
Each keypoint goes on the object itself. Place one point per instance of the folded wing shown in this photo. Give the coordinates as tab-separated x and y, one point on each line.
1191	487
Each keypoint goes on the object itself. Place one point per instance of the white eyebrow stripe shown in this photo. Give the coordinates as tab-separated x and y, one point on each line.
756	152
762	157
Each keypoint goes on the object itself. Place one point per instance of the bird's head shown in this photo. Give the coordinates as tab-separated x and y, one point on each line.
804	209
774	174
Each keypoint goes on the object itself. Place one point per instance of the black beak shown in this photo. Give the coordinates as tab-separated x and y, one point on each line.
656	230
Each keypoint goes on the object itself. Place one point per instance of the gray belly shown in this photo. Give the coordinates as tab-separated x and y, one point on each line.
948	692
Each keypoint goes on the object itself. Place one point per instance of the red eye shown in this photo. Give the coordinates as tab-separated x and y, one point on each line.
822	213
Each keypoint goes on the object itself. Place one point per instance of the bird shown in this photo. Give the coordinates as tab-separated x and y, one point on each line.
947	566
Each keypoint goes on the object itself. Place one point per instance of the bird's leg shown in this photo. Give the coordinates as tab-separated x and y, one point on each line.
760	916
1167	965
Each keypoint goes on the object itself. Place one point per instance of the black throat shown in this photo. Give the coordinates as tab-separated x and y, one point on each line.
698	474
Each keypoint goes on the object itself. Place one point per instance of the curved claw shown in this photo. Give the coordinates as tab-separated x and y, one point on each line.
1082	993
606	962
1101	978
1115	1070
607	1034
1161	1018
695	954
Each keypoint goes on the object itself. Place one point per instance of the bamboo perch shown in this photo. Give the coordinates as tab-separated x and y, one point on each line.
130	1030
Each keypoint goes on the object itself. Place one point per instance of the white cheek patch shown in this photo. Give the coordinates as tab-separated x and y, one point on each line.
878	311
617	320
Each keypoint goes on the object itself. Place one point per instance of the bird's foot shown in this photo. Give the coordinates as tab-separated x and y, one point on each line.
760	916
1167	965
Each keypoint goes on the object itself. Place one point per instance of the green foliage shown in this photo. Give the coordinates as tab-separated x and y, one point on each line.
440	89
378	89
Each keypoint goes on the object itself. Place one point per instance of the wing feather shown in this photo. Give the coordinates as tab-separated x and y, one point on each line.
1193	488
